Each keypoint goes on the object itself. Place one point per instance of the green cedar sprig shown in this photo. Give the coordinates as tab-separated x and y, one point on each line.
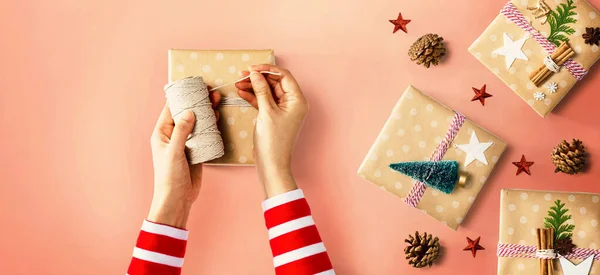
557	218
558	20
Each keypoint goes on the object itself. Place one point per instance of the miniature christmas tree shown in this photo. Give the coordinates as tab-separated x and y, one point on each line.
441	175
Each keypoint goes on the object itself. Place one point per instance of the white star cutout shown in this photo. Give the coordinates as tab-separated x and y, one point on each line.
512	50
582	268
475	150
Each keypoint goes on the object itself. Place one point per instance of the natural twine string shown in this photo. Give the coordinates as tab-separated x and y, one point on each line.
236	101
550	64
190	93
545	254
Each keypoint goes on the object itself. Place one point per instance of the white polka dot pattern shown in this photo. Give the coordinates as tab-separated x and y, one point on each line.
398	185
232	69
217	68
377	173
231	120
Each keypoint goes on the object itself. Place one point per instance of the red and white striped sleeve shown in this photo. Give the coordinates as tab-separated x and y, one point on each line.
159	250
295	242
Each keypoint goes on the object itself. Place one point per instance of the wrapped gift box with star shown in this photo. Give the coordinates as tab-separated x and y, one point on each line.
573	217
420	139
521	39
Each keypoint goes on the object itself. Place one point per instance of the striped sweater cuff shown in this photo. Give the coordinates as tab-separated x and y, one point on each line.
295	242
159	250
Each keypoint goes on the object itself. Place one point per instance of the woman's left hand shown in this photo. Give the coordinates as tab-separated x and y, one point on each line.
176	183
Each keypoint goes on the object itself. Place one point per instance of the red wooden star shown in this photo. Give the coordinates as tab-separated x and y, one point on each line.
480	94
523	165
473	246
400	24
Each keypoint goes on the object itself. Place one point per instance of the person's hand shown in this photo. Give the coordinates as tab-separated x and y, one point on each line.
281	112
176	183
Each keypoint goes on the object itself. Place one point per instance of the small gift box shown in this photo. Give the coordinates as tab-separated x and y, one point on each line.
418	129
219	67
525	39
568	215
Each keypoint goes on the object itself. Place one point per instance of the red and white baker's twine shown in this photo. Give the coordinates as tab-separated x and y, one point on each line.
530	251
418	189
514	15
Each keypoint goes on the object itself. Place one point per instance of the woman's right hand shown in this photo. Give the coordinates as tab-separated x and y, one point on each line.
281	112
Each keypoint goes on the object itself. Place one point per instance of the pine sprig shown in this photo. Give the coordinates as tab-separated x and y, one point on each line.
558	20
557	219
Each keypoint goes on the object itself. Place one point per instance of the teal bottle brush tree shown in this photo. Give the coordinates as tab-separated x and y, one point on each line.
442	175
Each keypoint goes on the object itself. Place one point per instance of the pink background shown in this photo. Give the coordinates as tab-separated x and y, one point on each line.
81	88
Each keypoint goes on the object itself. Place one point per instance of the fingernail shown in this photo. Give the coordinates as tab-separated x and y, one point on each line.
187	115
254	76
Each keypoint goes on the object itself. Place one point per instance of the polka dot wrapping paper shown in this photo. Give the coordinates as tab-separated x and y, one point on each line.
219	67
522	211
416	126
489	49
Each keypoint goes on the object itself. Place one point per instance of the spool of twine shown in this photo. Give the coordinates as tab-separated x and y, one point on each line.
190	93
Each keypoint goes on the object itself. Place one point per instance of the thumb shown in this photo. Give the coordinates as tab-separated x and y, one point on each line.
183	128
261	88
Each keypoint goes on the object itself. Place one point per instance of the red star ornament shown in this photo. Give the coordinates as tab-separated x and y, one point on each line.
523	165
473	246
400	23
481	95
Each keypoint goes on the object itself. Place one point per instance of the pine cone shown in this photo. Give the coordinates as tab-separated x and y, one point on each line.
422	250
592	36
564	246
568	157
429	49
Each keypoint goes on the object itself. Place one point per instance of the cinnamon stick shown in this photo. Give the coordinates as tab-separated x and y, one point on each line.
538	80
547	73
563	46
538	236
544	238
554	56
551	246
563	58
562	53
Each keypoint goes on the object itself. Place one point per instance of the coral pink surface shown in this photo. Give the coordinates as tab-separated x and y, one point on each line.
81	88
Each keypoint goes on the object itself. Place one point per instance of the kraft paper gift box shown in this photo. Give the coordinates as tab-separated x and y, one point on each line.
219	67
414	129
522	211
574	18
